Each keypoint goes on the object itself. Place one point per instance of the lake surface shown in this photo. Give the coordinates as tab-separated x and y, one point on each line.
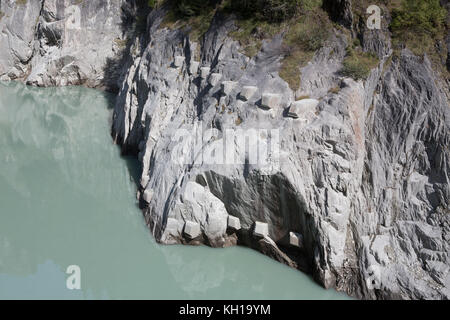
67	197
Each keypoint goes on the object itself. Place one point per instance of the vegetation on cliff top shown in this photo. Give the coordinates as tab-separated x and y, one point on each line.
305	27
266	10
420	26
304	24
420	17
305	35
193	15
262	10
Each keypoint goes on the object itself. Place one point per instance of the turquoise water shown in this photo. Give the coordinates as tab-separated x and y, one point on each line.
68	198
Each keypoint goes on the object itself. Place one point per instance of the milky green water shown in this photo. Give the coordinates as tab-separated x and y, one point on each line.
68	198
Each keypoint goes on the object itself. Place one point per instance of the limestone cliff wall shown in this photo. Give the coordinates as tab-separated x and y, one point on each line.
350	185
59	42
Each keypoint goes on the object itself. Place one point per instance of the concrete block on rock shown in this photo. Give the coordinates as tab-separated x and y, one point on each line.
270	101
192	229
261	229
227	87
234	223
147	195
172	226
178	61
144	181
193	68
214	79
247	92
204	72
295	239
302	107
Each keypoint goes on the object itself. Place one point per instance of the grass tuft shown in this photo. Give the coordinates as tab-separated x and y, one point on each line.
304	37
358	64
250	34
195	20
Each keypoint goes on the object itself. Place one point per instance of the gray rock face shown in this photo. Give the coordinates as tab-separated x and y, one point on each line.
53	42
354	188
340	11
359	185
18	24
406	179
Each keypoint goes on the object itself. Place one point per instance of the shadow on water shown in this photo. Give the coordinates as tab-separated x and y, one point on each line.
110	100
134	168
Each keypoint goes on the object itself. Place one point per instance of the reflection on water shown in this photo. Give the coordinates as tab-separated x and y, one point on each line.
67	197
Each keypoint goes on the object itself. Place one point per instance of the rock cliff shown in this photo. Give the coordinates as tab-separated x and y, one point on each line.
349	183
59	42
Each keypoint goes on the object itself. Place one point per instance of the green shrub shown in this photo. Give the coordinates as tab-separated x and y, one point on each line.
305	24
191	8
152	4
308	33
194	16
251	32
305	35
358	64
420	26
422	16
268	10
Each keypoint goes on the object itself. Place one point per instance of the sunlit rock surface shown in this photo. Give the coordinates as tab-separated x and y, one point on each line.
362	175
60	42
